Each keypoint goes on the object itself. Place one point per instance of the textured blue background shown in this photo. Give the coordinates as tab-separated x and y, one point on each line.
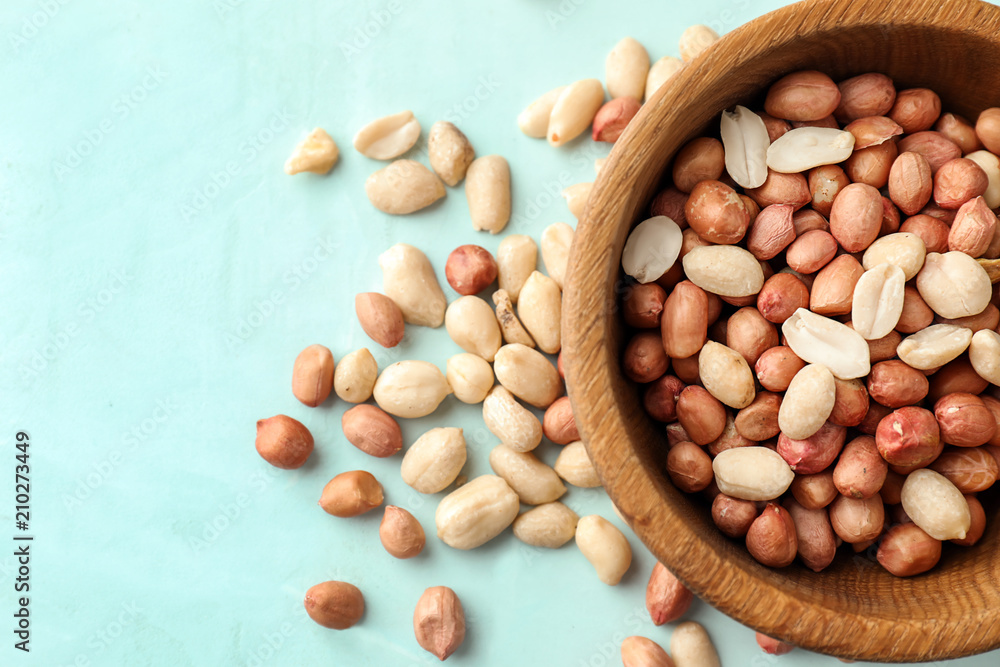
160	273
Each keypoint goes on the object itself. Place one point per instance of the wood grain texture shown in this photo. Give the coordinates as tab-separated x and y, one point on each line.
854	609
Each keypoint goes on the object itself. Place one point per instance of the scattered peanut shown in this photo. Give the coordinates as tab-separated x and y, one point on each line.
316	153
605	547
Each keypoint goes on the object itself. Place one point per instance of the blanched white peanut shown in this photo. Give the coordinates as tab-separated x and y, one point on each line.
573	111
403	187
989	163
605	547
355	375
473	326
652	248
434	460
935	505
808	402
487	189
576	198
660	73
878	301
510	327
752	473
527	374
408	279
696	39
984	354
691	646
934	346
726	375
316	153
476	512
470	377
821	340
804	148
517	257
449	152
745	139
540	310
903	249
534	120
550	526
410	389
726	270
534	482
625	69
388	137
556	241
954	285
574	466
510	421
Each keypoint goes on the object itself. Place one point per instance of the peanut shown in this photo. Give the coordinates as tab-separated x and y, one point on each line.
400	533
380	318
476	512
808	402
802	96
605	547
487	190
449	152
372	431
534	482
573	111
642	652
439	622
550	525
470	269
434	460
527	374
316	153
726	375
473	326
470	377
934	346
355	375
312	375
516	260
935	505
692	647
689	467
984	353
410	389
556	241
857	520
772	538
814	536
534	120
752	473
820	340
694	40
388	137
667	599
539	308
402	187
878	301
351	493
906	550
909	437
408	279
733	516
652	248
283	442
507	419
558	425
511	327
335	604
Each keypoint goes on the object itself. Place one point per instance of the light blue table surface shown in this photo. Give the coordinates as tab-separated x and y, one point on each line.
160	274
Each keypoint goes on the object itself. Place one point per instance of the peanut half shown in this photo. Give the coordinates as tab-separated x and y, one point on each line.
652	248
316	153
821	340
745	139
878	301
388	137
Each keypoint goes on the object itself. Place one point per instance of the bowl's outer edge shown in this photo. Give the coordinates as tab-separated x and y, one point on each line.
867	618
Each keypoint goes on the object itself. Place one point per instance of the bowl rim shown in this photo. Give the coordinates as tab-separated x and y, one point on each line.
734	587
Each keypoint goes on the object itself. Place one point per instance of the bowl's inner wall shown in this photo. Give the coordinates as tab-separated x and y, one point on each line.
964	69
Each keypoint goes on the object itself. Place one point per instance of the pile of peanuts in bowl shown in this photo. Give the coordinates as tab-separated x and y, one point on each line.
812	315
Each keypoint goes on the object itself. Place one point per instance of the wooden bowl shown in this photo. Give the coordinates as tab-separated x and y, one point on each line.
854	609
